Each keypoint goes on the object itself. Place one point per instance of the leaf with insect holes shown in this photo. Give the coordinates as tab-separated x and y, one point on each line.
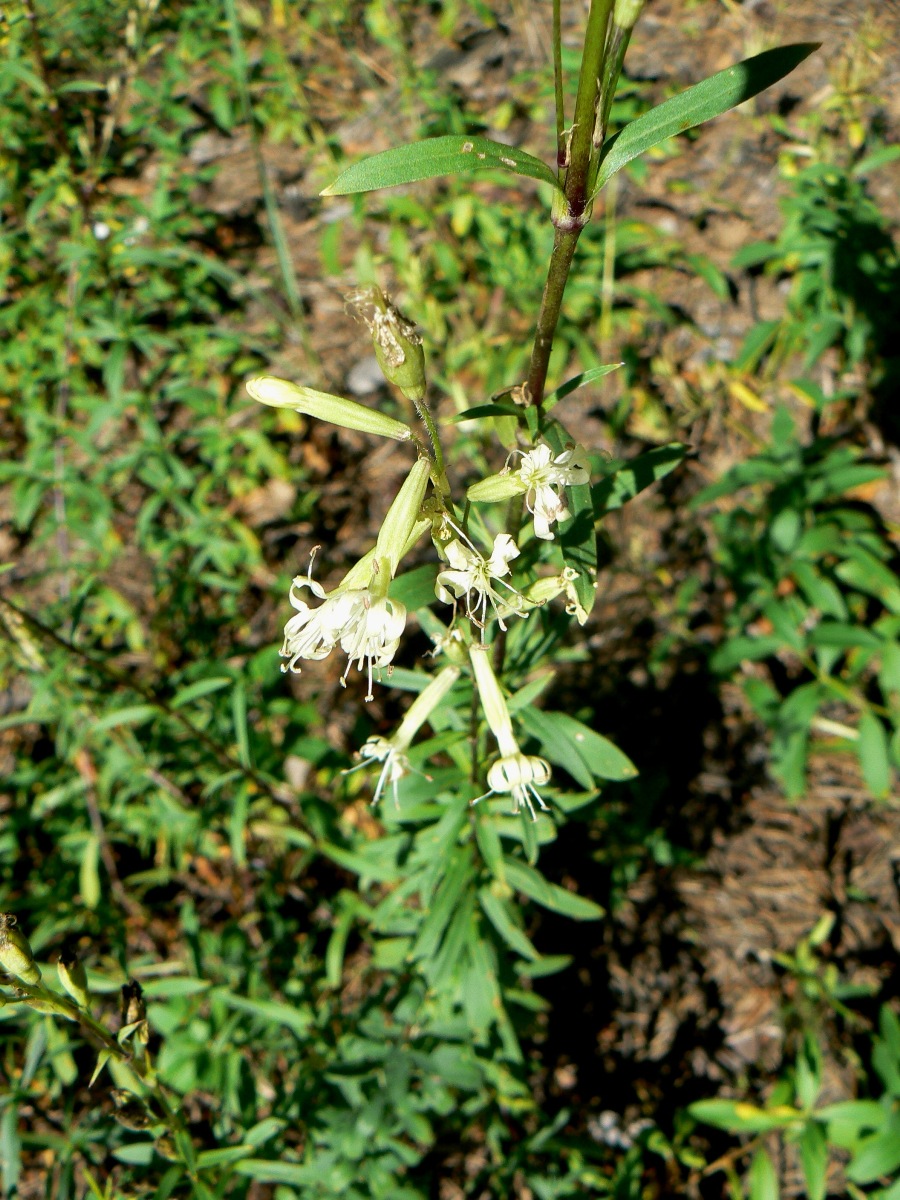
700	103
432	157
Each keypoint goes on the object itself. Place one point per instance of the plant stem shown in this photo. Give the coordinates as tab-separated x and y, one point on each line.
558	273
558	85
120	679
435	438
570	223
586	106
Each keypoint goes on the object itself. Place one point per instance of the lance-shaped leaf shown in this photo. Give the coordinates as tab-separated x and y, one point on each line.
432	157
577	381
628	479
700	103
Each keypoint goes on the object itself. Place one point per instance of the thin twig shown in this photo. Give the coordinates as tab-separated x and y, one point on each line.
120	679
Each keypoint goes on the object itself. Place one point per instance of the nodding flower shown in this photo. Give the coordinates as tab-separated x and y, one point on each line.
517	774
392	751
367	625
359	615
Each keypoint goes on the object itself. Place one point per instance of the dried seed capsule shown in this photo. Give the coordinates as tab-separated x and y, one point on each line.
72	976
396	341
134	1013
15	953
133	1007
130	1111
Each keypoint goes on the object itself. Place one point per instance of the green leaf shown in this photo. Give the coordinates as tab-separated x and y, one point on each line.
265	1171
873	754
762	1178
135	714
178	985
627	481
89	874
414	589
499	916
700	103
550	964
577	381
194	691
577	536
533	884
878	1155
433	157
137	1154
270	1012
814	1157
564	739
735	1116
102	1059
480	411
376	860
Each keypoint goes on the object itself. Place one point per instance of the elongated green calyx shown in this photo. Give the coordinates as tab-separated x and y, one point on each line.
73	977
403	516
497	487
496	712
279	393
626	13
396	341
15	953
424	705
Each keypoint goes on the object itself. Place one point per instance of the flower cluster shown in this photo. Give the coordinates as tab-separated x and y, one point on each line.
362	617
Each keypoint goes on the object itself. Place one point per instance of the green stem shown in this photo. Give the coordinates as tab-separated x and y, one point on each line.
551	303
572	219
435	439
586	106
558	85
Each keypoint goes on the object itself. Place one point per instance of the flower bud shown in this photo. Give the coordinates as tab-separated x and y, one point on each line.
15	953
403	516
279	393
73	977
396	341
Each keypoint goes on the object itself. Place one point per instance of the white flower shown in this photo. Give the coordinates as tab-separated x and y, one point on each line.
470	574
313	632
368	627
396	764
515	773
520	775
540	473
392	751
372	632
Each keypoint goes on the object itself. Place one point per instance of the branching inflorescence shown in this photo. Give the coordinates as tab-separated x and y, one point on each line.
362	618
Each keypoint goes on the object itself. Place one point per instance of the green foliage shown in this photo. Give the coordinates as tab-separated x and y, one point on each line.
863	1135
836	246
699	103
816	606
